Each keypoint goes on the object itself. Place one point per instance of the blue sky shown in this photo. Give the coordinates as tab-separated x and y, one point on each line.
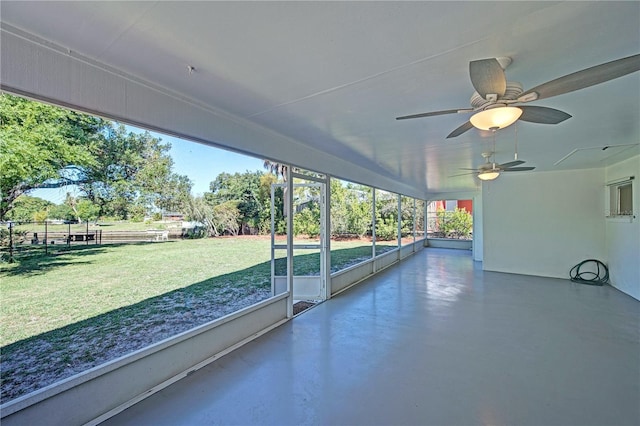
203	163
199	162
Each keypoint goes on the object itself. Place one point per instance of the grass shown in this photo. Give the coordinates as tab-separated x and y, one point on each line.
43	293
65	313
47	292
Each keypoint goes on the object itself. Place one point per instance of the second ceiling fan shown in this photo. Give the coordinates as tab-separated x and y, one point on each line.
491	170
494	97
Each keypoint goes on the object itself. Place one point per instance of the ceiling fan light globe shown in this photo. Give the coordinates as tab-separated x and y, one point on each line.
496	118
488	175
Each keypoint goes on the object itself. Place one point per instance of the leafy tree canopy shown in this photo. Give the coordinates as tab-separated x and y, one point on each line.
121	173
42	146
242	188
25	208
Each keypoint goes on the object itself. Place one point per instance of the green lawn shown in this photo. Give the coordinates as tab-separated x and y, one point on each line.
44	293
67	312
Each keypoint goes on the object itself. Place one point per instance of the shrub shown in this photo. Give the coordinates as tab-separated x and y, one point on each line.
40	216
86	210
455	224
307	221
386	229
195	233
281	226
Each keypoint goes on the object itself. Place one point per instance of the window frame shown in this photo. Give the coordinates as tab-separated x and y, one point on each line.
620	203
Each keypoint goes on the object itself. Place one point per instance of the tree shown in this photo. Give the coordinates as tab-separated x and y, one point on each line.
421	206
350	208
87	211
42	146
407	215
175	194
134	174
198	210
40	216
121	172
339	209
25	208
359	208
279	169
62	212
242	188
155	180
217	220
83	209
264	198
386	215
227	217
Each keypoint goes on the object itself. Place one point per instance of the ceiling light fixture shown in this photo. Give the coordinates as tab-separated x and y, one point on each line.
495	118
490	174
493	172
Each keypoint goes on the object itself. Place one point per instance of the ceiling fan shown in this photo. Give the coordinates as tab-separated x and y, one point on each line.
494	96
490	170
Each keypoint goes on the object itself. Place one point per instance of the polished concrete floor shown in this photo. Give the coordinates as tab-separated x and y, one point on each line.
431	341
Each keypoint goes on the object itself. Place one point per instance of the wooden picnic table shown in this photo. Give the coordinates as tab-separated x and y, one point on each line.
82	237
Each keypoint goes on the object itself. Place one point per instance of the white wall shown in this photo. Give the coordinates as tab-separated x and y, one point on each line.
543	223
623	238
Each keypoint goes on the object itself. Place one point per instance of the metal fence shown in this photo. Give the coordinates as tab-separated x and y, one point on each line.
19	239
25	238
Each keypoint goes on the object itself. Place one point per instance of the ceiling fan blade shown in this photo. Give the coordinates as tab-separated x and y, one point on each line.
431	114
460	130
517	169
487	77
511	164
585	78
542	115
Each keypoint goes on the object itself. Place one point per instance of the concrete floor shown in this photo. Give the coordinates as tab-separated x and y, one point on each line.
434	340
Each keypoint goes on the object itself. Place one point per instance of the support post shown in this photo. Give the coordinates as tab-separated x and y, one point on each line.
425	217
415	216
288	206
10	226
273	241
373	224
325	234
399	223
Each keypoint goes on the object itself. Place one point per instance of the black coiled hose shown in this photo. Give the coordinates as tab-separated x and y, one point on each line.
589	277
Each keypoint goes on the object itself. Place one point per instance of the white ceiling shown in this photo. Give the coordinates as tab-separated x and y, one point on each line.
335	75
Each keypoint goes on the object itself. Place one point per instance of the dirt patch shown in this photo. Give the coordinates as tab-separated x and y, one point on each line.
38	362
301	306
